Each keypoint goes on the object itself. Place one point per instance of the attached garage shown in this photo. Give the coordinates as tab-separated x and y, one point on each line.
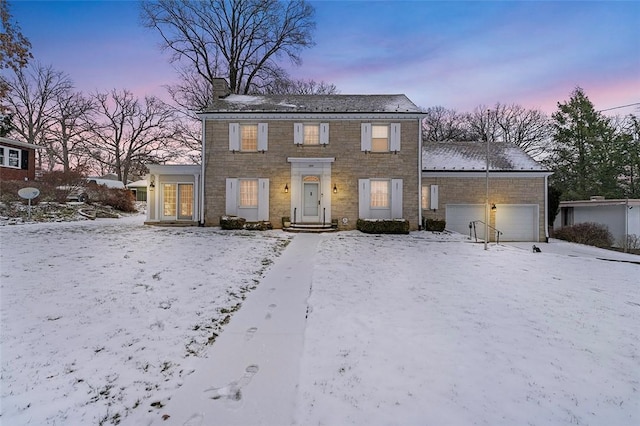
458	217
517	222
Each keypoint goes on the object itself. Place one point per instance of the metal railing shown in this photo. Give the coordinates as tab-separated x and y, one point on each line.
472	228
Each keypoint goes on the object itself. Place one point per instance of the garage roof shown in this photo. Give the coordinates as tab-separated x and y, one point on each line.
472	157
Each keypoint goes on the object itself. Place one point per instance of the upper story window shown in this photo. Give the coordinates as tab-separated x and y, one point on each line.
311	133
380	137
10	157
248	137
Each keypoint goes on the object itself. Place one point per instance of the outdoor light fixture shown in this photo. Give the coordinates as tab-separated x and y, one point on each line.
286	188
335	189
153	182
493	207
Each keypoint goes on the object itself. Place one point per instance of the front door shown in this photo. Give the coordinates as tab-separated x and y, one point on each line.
311	199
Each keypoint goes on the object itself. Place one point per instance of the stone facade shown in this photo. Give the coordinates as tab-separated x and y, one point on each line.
502	190
349	165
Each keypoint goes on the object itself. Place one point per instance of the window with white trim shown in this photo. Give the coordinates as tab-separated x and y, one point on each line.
248	137
311	133
379	138
425	197
248	193
10	157
380	194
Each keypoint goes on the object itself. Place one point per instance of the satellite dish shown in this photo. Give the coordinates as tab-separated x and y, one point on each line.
29	193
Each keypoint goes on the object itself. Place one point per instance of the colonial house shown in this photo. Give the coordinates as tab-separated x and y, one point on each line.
321	160
326	161
455	185
17	160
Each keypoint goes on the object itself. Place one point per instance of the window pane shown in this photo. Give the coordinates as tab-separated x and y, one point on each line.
186	201
425	197
249	137
380	193
1	156
249	193
311	134
14	158
379	138
169	199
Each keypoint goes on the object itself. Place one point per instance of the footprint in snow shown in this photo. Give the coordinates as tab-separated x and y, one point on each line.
233	391
250	333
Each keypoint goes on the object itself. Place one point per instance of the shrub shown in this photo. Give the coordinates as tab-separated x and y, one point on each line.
118	198
258	226
232	222
633	241
589	233
393	226
436	225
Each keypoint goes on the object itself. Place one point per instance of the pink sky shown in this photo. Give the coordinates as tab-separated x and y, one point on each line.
454	54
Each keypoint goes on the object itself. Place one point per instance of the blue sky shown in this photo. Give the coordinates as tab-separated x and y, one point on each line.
454	54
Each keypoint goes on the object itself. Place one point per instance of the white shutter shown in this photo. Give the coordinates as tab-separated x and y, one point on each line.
394	142
232	197
365	137
396	199
263	136
298	133
263	199
364	198
234	136
433	199
324	133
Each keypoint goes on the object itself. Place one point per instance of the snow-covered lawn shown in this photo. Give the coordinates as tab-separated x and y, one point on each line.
101	318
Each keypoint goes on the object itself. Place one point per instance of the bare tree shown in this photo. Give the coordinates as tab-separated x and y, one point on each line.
238	39
286	86
14	47
130	132
441	124
71	121
529	129
32	99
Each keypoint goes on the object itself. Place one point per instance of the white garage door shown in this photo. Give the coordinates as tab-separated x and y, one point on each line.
459	216
518	222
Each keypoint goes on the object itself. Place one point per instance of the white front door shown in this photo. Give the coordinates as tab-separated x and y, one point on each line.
311	199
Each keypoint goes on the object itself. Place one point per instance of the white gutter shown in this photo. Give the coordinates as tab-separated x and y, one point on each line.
420	174
546	208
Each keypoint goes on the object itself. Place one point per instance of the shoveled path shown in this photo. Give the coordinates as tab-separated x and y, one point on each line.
255	362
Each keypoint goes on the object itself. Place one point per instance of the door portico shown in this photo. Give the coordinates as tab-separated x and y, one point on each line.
310	190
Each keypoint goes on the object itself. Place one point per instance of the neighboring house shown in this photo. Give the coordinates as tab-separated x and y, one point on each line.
17	160
454	188
139	189
621	216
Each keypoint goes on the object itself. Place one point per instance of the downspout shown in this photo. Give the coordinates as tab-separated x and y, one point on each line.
420	174
202	174
546	208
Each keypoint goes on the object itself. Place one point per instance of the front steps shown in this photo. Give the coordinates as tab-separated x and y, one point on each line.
310	227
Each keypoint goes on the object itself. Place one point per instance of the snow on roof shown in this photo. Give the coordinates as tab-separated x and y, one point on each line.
472	156
314	103
138	184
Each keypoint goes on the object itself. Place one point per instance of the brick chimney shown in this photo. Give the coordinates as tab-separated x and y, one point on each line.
220	88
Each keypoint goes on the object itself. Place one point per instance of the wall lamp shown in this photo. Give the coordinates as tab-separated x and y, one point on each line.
335	189
153	182
493	207
286	188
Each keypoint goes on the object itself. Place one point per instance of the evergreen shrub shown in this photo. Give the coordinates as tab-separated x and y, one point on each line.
392	226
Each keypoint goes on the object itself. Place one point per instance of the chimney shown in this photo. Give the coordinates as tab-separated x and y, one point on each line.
220	88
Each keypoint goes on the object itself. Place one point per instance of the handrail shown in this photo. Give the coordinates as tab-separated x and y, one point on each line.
472	225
